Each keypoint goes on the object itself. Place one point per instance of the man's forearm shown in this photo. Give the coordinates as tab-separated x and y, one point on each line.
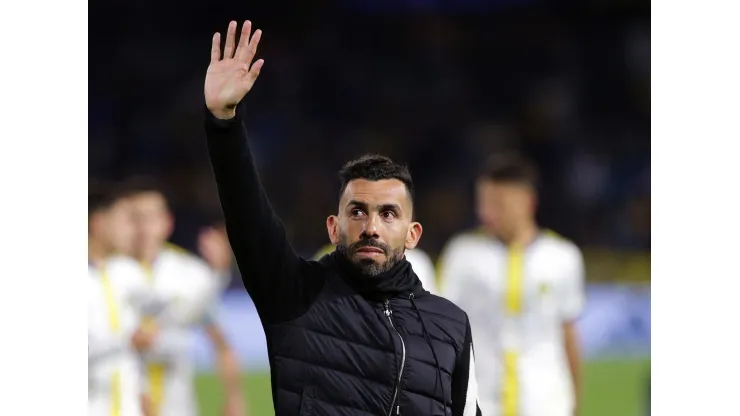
228	368
572	351
256	234
226	361
147	407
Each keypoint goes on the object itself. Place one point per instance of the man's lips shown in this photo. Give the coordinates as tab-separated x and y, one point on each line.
370	250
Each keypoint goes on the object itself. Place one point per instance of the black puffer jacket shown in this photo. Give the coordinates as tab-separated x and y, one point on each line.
339	343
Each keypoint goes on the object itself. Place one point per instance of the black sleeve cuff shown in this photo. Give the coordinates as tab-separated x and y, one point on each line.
213	122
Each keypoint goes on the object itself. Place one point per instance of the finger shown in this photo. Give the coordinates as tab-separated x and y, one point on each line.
254	71
230	35
252	49
241	50
216	47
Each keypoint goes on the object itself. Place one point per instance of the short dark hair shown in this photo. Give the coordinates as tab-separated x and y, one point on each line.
101	196
510	167
374	167
136	185
214	219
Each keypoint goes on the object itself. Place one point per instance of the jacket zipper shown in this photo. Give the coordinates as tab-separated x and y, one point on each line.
388	314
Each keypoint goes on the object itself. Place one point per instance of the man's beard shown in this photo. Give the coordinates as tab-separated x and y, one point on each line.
370	267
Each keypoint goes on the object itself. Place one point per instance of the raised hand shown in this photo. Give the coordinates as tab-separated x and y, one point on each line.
229	78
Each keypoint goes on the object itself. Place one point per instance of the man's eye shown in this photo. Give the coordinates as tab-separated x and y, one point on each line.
388	214
357	212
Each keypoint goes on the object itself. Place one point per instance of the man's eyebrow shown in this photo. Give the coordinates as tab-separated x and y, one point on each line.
356	203
390	207
381	207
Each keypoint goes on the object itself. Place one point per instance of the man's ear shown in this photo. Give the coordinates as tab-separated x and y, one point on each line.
534	203
414	235
170	225
332	228
95	223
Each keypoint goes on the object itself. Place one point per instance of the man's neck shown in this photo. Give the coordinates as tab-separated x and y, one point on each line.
523	236
148	257
96	252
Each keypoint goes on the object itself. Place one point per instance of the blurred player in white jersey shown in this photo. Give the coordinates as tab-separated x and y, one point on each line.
117	298
192	288
523	289
420	262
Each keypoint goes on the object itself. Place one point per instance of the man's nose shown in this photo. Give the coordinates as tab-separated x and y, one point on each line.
370	229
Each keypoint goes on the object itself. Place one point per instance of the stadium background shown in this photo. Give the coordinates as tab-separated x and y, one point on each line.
436	84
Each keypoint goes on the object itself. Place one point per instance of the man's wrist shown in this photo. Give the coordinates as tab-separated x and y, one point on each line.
223	113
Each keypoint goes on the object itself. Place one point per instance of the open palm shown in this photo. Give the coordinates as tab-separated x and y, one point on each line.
229	78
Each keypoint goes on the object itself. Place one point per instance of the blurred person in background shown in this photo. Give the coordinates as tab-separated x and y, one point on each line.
117	299
523	288
192	288
356	333
420	263
213	246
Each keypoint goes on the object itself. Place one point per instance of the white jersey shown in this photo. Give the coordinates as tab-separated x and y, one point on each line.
517	301
420	263
424	269
116	298
190	290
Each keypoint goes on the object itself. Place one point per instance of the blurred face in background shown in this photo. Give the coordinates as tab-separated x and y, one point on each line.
503	208
153	222
114	227
374	225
